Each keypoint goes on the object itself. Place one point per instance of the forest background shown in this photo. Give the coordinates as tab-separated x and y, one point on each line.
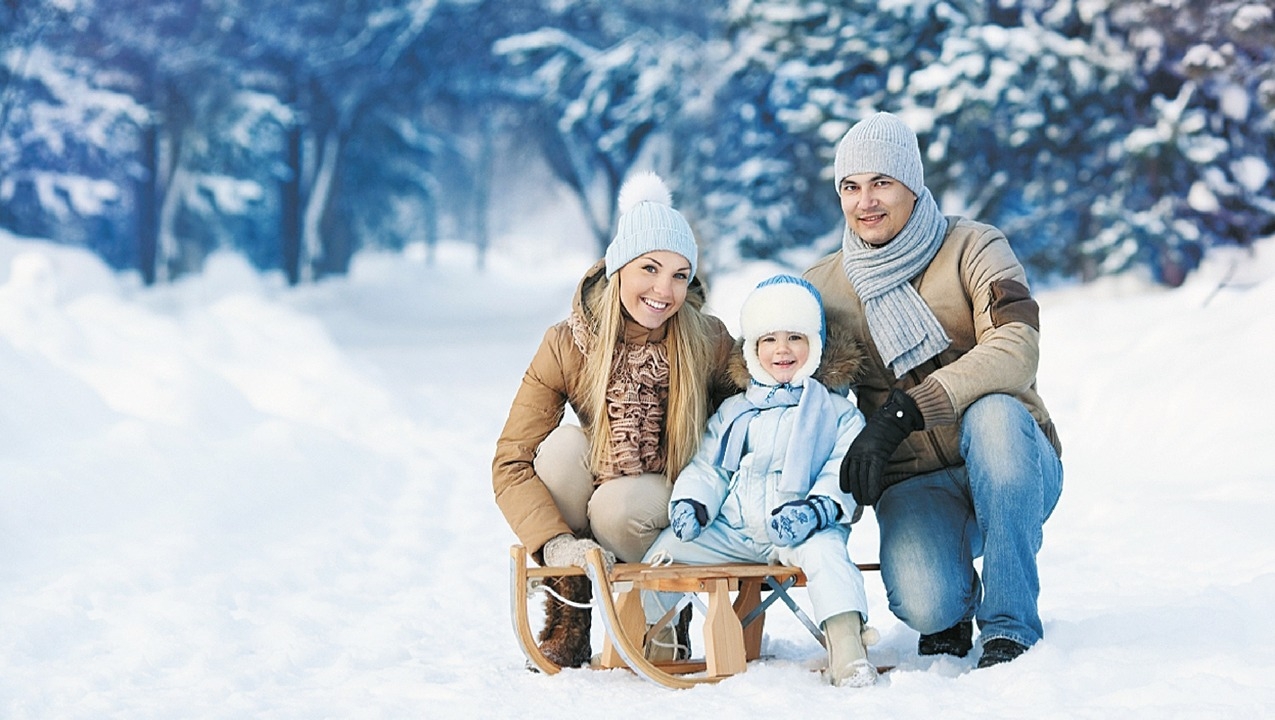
1099	135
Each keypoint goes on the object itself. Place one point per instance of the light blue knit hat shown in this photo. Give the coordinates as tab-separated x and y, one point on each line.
648	223
783	302
881	143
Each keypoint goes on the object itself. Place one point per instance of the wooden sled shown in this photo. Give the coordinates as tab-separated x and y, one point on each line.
732	630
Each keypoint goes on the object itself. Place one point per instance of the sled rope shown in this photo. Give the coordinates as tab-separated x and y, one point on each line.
538	585
661	558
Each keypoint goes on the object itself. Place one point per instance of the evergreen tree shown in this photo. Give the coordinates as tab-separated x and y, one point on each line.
595	106
1205	128
67	131
787	81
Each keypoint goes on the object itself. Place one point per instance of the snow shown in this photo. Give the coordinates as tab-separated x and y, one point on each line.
1252	17
1201	198
1252	172
228	498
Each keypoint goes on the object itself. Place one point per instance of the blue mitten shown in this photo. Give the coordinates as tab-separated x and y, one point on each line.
688	518
794	522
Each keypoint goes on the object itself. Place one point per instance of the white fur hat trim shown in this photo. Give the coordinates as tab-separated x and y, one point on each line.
783	302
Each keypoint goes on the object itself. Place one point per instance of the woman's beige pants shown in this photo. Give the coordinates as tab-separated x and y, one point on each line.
624	514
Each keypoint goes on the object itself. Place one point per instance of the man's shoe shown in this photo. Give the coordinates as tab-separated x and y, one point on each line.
956	640
1000	650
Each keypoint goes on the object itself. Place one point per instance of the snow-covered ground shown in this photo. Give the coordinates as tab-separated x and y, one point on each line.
225	498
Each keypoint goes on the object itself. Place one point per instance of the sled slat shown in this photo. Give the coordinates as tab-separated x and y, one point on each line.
732	631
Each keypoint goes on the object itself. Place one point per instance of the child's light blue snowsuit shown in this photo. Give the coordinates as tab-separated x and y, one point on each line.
739	506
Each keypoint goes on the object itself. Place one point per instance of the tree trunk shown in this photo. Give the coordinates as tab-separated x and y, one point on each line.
290	208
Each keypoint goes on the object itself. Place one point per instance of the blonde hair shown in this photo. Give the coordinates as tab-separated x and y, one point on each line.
690	352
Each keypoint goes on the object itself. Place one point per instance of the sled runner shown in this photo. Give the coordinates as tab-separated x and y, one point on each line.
732	630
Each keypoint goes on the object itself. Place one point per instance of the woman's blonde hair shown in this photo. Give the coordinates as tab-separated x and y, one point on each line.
690	352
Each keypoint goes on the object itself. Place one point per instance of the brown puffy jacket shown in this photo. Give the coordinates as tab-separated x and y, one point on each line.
553	381
978	291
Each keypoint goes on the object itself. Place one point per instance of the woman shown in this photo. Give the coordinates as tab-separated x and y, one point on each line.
642	368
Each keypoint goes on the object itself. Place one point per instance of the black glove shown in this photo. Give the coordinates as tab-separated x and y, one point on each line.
863	469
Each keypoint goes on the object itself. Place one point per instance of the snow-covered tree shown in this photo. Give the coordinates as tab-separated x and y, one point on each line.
1098	134
1018	122
68	130
784	83
596	107
1206	126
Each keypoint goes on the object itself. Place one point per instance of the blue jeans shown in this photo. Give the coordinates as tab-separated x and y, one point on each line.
934	525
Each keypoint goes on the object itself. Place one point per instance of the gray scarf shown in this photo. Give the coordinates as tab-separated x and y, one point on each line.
903	327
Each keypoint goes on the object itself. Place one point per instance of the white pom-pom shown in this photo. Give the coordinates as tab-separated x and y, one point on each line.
644	187
870	636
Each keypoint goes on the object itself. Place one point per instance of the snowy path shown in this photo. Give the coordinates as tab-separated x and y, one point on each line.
226	499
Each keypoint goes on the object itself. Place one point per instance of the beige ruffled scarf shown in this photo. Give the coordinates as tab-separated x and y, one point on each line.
636	403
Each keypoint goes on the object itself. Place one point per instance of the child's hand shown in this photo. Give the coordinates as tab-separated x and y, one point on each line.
688	518
794	522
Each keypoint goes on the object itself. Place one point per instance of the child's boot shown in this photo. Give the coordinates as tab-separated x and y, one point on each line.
848	664
672	642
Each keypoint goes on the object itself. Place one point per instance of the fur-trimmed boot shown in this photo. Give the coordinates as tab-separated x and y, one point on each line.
848	664
565	636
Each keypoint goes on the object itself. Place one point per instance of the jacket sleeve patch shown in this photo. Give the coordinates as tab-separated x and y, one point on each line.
1012	302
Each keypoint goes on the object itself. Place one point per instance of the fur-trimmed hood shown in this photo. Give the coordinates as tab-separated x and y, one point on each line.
843	360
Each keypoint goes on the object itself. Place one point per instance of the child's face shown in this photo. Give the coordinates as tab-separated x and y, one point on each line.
783	353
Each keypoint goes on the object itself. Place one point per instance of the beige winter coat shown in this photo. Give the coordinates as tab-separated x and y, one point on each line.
553	381
978	291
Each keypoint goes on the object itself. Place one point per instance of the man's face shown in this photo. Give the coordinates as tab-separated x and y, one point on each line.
876	206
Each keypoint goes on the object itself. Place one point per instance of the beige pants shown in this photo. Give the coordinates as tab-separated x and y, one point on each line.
624	515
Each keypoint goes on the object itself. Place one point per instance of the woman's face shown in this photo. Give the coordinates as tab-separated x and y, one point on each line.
653	287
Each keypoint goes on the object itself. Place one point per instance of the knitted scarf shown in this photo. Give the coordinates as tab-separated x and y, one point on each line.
903	327
636	399
812	439
636	402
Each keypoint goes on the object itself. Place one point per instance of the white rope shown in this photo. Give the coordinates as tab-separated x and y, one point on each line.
538	585
661	558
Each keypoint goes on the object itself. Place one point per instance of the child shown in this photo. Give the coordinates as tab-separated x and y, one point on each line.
764	485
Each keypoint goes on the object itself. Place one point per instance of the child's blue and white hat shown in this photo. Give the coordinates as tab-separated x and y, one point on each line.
648	223
783	302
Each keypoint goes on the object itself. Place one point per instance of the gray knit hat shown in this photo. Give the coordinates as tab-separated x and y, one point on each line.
648	223
881	143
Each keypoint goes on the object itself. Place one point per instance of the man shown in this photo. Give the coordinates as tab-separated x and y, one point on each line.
959	457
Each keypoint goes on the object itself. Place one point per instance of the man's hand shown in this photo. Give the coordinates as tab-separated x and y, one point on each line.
863	468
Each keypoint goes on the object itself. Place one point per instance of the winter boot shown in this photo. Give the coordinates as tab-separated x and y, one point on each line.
848	664
956	640
672	642
565	636
1000	650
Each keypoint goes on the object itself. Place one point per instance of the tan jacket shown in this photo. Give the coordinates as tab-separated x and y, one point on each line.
554	380
978	291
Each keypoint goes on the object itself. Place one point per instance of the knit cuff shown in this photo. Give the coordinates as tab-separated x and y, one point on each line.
827	510
932	400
